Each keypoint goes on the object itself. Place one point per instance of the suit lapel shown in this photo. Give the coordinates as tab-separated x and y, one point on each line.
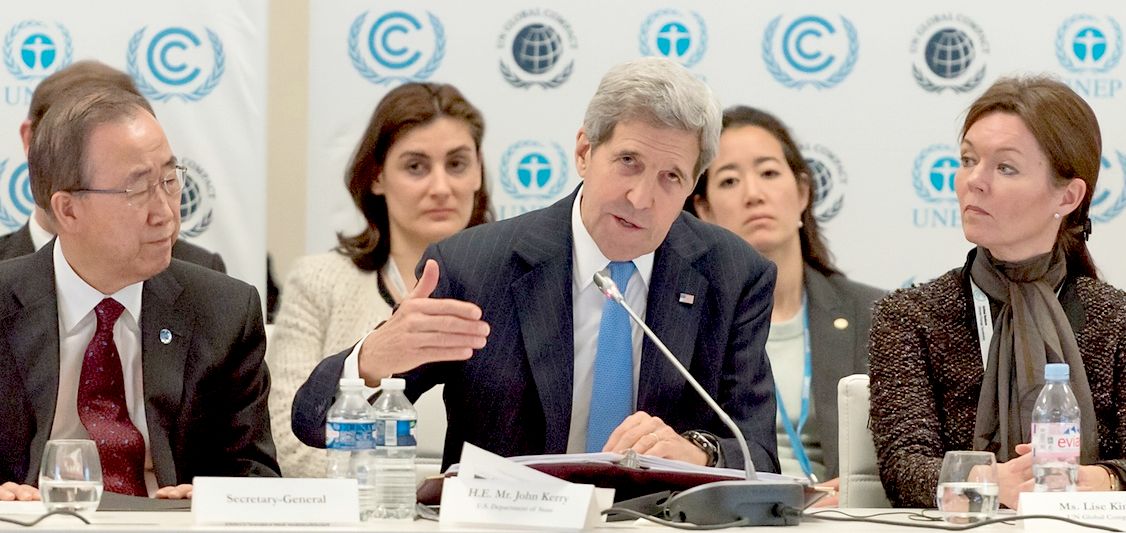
539	296
163	367
34	344
675	322
831	332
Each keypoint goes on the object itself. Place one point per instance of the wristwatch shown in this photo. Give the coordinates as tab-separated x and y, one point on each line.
707	442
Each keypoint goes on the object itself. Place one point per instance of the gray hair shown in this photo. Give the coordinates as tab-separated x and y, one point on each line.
661	92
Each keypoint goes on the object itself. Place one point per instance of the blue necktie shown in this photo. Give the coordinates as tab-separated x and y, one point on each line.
611	397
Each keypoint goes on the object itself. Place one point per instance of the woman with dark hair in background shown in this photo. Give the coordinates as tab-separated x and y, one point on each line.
418	177
760	188
957	363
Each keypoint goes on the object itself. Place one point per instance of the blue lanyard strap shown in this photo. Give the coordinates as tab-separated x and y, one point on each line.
807	379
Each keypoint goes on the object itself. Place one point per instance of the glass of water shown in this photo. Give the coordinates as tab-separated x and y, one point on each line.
70	476
967	487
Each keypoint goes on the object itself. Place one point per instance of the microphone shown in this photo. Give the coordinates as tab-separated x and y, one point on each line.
755	501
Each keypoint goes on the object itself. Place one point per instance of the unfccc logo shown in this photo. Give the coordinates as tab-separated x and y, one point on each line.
175	63
814	51
16	201
397	47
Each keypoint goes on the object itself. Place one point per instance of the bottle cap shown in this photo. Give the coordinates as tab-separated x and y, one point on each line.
393	384
1056	372
351	383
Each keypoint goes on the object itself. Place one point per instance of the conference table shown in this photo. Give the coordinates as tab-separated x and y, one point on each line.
174	521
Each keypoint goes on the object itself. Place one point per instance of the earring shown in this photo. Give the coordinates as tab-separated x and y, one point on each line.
1056	216
801	224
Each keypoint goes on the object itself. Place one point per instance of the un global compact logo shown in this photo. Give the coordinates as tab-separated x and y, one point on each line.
34	49
196	200
175	62
829	181
16	201
537	47
810	50
533	170
676	35
397	46
1109	199
949	53
1089	44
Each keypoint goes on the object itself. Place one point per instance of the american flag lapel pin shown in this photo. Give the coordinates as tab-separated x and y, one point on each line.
687	299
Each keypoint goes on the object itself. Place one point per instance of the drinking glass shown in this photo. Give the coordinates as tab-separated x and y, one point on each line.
967	487
70	476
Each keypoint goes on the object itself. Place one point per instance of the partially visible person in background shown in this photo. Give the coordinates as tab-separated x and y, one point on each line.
80	76
760	188
1030	159
418	177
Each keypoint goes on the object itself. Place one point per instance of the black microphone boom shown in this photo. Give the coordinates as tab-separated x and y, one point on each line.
755	501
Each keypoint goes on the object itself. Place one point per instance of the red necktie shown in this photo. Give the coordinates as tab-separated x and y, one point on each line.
101	408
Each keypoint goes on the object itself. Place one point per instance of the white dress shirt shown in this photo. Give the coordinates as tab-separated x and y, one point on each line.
77	324
39	235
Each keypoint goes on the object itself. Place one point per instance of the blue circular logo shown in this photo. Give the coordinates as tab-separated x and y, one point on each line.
828	180
399	47
673	39
175	62
822	180
533	170
1109	198
34	49
196	200
537	48
949	53
934	171
812	50
942	172
680	36
1089	44
17	202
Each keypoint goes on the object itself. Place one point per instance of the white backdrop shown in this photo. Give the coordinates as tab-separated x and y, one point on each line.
851	79
201	64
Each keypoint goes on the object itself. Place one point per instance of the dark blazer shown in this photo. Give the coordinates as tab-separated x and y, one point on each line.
18	243
513	397
205	392
840	315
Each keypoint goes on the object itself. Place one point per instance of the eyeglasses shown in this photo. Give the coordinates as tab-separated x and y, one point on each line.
140	191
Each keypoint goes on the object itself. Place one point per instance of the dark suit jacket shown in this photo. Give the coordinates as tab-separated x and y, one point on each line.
18	243
837	351
513	397
205	392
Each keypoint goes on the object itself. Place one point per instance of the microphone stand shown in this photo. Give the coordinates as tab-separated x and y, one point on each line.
758	502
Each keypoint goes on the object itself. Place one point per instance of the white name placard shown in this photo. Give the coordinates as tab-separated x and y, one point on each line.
490	502
1102	508
275	501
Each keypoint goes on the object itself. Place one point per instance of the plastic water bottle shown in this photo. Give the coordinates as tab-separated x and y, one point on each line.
1055	433
395	419
350	441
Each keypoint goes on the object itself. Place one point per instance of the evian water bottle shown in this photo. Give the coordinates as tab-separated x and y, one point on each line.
1055	433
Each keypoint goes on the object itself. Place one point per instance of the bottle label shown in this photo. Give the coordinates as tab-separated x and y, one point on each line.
395	433
1055	441
349	435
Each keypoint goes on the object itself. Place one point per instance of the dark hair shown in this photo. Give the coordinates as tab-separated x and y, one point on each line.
56	158
813	249
1067	131
406	107
86	75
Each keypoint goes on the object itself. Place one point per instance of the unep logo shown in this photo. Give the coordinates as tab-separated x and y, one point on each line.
1105	203
537	48
811	50
829	181
533	170
34	49
1089	44
949	52
396	47
196	200
933	175
16	201
675	35
174	62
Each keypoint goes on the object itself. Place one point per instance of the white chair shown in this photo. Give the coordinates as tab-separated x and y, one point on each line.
430	432
860	480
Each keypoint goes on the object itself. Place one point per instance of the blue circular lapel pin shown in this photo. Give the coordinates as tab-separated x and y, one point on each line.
165	336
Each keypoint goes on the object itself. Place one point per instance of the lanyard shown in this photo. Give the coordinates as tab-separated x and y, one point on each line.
984	322
807	379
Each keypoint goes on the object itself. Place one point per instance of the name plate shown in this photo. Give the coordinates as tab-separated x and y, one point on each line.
560	505
275	501
1102	508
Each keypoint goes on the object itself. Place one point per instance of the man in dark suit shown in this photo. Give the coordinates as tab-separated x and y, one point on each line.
519	293
106	337
79	76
